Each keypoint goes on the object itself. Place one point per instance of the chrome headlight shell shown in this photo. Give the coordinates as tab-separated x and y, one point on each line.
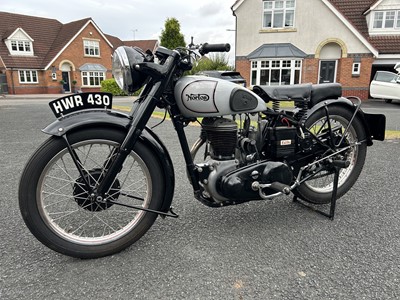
121	68
125	74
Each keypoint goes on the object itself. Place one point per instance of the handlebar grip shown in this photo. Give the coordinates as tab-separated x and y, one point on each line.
207	48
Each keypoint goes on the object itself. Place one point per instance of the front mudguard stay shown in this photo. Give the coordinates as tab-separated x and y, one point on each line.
121	121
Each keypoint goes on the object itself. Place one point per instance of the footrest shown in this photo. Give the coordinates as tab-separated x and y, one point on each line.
280	187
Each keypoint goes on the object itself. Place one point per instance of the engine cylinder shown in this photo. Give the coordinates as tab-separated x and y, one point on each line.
222	135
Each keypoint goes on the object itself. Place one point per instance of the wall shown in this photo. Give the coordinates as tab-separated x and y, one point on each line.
352	85
315	26
314	23
74	54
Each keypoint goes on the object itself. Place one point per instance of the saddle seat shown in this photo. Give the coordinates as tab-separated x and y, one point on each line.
306	93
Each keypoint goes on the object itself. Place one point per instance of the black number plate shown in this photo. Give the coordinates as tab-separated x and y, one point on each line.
72	103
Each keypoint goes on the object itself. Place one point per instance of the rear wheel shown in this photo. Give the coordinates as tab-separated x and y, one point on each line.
60	212
318	189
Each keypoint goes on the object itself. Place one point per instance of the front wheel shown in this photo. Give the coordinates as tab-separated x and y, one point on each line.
60	212
318	189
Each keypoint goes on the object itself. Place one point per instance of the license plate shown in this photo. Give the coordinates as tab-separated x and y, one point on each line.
72	103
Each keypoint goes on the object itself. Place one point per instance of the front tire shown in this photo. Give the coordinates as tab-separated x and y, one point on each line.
58	210
318	190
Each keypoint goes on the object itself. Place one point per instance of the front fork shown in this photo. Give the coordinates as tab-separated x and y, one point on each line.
140	115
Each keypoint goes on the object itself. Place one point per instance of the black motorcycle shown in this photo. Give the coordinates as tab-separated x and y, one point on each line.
102	178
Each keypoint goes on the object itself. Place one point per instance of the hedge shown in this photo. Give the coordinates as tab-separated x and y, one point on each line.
110	86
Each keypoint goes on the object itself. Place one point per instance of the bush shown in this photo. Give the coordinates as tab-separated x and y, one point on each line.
216	61
110	86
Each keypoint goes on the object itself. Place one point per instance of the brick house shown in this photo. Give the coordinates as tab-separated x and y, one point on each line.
37	53
301	41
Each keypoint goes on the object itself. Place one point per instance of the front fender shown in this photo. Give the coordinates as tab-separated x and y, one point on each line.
87	118
374	124
121	121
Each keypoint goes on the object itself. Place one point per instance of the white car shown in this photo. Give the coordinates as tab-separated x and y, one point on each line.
386	85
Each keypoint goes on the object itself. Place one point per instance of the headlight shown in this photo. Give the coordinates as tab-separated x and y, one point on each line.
121	68
125	74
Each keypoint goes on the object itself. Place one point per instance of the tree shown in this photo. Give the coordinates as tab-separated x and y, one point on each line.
171	37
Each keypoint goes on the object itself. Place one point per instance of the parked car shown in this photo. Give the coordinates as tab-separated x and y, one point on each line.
397	67
227	75
385	85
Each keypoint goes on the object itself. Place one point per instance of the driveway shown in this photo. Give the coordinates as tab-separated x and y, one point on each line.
260	250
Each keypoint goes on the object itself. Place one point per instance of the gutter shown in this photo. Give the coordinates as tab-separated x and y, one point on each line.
12	80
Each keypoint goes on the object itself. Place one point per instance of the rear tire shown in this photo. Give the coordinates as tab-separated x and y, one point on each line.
58	211
318	190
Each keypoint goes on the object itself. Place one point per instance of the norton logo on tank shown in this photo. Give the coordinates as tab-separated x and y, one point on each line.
199	96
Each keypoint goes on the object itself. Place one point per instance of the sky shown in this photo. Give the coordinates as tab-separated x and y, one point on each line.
208	21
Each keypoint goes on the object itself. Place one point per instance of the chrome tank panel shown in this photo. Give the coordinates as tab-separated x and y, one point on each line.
202	96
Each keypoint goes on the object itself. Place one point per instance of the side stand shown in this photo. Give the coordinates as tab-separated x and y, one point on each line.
331	215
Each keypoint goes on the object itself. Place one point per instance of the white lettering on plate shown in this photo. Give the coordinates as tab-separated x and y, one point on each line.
98	99
68	103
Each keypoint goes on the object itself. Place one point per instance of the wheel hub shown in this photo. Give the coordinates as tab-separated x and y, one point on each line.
91	200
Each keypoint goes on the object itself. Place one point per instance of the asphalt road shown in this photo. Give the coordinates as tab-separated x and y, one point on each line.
260	250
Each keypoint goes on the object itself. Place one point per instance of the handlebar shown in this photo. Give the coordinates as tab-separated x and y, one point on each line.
207	48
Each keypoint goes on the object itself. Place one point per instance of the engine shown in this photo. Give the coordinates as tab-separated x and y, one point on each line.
245	163
222	136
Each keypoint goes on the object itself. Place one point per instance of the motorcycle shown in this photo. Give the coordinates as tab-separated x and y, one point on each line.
98	183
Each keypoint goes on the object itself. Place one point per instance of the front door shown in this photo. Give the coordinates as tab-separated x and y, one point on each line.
66	86
327	71
3	84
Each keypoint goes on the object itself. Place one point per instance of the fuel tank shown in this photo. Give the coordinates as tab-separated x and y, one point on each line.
202	96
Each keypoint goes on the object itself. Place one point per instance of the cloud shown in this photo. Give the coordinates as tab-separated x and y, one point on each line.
206	22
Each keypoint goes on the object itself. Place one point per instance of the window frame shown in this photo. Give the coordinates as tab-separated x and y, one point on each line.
385	16
266	68
16	45
274	9
89	45
33	74
356	68
89	78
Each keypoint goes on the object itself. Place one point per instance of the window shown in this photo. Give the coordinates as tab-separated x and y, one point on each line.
356	68
378	19
278	14
27	76
398	19
92	78
386	19
276	72
386	76
21	47
92	48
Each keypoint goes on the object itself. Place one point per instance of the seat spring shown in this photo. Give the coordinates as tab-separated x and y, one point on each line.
276	106
303	108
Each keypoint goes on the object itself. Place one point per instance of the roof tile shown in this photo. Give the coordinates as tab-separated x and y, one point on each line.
354	11
50	36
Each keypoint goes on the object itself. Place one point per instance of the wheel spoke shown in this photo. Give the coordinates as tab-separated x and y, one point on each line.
65	200
323	182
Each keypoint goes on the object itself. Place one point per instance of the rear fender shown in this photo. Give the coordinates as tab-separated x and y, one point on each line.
120	121
374	124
